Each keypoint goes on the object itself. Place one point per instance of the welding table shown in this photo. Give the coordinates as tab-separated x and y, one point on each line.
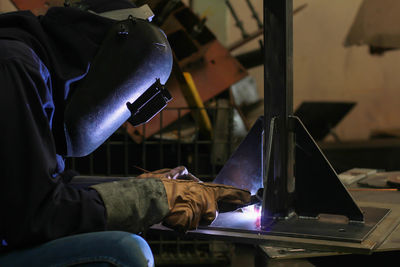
282	250
390	228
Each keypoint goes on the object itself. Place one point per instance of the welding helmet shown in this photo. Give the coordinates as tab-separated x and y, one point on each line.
124	82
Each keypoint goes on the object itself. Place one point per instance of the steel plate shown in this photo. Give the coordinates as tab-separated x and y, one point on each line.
302	228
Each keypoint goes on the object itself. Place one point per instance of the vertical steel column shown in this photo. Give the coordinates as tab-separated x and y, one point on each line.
278	105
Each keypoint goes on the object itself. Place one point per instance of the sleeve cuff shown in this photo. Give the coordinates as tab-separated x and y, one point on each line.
133	204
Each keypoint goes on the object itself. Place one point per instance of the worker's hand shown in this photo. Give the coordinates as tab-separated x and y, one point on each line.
191	202
179	172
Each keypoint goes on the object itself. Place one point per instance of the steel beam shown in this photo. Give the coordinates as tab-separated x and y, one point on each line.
278	106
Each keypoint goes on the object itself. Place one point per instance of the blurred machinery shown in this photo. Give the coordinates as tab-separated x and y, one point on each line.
197	52
375	26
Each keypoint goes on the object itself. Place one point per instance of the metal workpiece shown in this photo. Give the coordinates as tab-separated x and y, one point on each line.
298	178
325	228
322	208
302	194
332	234
318	188
278	105
244	167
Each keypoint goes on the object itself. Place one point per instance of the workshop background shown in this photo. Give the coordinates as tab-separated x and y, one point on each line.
325	71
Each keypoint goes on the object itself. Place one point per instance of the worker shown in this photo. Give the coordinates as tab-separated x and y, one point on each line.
68	80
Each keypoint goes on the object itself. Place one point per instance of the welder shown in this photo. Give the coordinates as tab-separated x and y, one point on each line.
68	80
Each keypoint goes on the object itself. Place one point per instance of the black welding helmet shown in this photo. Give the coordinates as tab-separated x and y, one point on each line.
124	82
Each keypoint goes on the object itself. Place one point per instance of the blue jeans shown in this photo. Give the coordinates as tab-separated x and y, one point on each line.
112	248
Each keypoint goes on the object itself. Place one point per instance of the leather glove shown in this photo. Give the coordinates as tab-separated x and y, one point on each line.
179	172
191	202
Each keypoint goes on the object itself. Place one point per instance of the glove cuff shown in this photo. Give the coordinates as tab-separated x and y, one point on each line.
133	204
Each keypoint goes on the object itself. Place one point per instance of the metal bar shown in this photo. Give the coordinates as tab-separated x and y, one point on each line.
278	105
254	14
238	22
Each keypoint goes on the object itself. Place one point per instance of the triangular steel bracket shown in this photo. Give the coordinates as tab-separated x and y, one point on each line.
244	168
318	189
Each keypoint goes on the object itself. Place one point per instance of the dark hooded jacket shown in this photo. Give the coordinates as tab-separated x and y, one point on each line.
41	61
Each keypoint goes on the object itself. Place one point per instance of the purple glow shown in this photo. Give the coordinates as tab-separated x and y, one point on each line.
253	213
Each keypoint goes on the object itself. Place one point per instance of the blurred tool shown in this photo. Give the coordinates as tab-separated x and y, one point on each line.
227	206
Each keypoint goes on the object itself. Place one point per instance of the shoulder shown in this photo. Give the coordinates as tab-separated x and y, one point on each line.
13	50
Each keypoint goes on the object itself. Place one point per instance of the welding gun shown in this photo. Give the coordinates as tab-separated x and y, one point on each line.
227	207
